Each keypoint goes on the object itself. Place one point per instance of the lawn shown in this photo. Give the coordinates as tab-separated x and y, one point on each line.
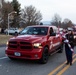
4	39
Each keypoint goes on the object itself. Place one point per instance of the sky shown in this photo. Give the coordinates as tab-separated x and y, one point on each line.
48	8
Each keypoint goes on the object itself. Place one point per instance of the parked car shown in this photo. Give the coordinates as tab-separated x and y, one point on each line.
11	31
35	43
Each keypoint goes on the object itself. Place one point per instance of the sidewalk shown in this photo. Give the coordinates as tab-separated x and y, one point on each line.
4	39
3	45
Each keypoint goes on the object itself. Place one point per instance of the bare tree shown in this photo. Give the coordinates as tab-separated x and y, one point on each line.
6	8
17	8
56	20
67	23
66	20
31	16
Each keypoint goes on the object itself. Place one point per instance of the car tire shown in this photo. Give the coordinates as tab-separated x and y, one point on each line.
45	56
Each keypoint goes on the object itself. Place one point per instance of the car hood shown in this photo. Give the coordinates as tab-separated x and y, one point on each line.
31	38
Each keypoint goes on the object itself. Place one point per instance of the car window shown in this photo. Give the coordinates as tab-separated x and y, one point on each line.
35	31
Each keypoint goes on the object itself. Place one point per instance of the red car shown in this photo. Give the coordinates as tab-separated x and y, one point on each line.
35	43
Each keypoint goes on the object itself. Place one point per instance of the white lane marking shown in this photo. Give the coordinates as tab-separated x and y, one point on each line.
3	58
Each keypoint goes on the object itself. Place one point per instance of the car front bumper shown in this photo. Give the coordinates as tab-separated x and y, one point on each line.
32	55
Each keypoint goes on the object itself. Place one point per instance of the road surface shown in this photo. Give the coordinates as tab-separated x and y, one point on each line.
55	66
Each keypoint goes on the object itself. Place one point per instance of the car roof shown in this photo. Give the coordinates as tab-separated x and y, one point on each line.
43	26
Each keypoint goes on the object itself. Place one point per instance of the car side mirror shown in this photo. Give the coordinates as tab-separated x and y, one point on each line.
16	34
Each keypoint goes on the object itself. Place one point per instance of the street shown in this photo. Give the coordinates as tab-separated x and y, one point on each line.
55	66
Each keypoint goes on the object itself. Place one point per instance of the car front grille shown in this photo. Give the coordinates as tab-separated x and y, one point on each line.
13	42
25	47
25	43
13	46
20	45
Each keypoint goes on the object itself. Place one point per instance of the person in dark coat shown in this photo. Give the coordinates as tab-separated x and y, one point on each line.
68	51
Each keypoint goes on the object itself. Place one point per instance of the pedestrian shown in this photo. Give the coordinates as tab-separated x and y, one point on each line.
68	51
52	33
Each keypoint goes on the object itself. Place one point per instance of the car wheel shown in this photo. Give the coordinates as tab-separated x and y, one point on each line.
45	56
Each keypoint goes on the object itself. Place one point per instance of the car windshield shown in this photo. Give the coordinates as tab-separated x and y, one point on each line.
34	31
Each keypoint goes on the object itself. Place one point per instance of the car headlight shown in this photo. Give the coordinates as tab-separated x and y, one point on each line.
37	45
7	43
74	37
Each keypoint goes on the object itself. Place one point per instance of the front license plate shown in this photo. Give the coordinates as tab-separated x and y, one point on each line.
17	54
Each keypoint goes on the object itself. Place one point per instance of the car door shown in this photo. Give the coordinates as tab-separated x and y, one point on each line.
56	42
56	38
52	40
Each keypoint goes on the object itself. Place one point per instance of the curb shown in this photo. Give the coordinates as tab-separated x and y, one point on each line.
3	45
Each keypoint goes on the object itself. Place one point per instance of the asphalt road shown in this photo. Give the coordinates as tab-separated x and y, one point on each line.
55	66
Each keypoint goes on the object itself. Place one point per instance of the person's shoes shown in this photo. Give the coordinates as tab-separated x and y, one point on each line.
70	64
67	63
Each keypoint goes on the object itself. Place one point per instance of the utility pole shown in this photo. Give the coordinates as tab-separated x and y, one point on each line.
0	3
9	18
0	11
